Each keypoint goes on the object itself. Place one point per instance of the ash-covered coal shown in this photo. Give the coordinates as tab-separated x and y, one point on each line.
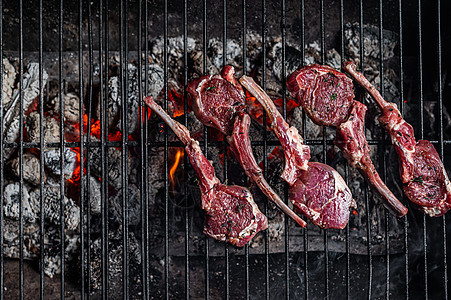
13	196
31	168
9	77
30	90
71	103
51	128
52	159
133	206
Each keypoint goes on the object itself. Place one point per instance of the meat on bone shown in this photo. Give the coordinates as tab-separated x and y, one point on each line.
231	213
316	189
327	97
424	178
219	102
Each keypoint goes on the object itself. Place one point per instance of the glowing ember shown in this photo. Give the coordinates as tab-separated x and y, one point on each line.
177	158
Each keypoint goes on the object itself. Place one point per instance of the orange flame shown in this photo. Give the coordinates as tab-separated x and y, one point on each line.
178	156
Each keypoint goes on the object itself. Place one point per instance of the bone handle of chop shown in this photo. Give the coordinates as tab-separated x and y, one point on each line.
351	68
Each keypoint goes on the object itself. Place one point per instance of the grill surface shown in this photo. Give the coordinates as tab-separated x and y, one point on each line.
102	29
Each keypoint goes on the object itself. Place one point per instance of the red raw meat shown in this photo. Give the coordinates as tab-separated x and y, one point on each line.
231	213
424	178
327	97
219	102
316	189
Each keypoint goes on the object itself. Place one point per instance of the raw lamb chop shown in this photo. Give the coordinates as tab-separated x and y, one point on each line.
327	97
231	213
422	172
316	189
219	102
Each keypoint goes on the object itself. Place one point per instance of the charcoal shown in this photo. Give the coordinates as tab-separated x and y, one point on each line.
11	239
133	206
216	53
31	168
114	166
154	86
71	107
94	196
52	206
9	76
11	202
52	249
52	159
51	128
115	262
30	90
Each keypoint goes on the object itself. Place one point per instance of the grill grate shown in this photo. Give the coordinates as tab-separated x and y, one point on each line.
101	12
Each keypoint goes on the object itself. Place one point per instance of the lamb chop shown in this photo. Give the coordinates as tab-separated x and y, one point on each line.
316	189
231	213
327	97
218	101
422	172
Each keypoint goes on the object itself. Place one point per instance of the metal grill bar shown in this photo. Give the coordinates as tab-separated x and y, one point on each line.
88	138
265	145
440	107
204	65
105	165
21	196
401	107
146	280
2	164
41	161
185	160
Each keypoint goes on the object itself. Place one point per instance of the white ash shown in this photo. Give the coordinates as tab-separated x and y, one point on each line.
12	199
154	86
175	47
71	107
133	201
52	159
9	77
370	41
31	168
94	196
52	206
51	128
11	239
216	52
30	90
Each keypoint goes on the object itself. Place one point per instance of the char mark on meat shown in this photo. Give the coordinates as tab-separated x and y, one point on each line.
327	97
424	178
219	102
231	213
316	189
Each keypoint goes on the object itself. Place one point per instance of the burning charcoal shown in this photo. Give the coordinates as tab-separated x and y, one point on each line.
155	80
31	168
9	77
51	128
71	107
11	199
52	161
52	206
133	206
94	196
30	90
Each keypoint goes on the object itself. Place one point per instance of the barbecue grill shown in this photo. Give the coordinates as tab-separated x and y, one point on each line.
125	220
